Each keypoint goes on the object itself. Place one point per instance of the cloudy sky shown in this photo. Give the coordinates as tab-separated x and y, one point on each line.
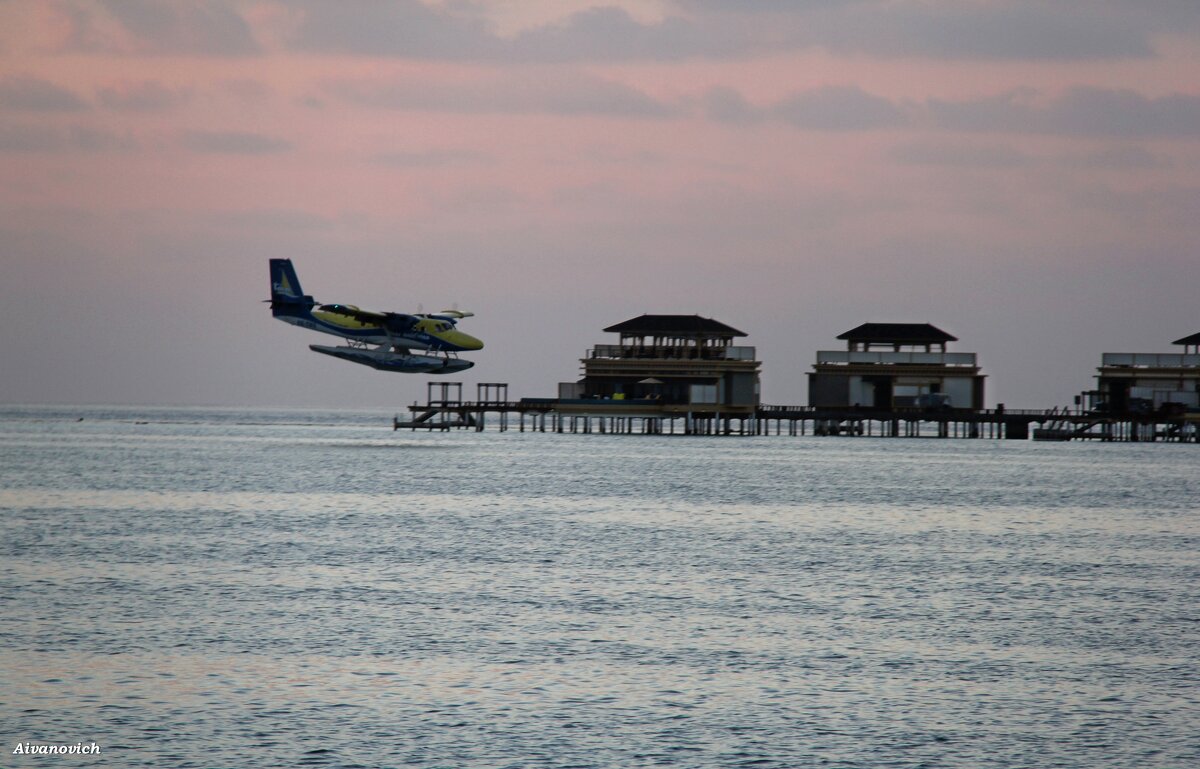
1024	174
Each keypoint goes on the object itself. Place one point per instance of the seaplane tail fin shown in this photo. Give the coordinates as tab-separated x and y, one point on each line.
286	295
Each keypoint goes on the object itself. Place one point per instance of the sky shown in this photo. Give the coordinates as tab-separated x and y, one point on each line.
1024	174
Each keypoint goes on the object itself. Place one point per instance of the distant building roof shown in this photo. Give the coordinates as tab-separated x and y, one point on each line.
898	333
1193	339
673	325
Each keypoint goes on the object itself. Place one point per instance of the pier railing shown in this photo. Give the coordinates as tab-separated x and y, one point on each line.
847	357
1151	360
767	409
671	352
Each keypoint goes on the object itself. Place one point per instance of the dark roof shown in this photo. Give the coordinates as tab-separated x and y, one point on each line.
898	333
1193	339
673	325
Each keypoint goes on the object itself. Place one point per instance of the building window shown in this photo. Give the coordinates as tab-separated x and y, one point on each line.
703	394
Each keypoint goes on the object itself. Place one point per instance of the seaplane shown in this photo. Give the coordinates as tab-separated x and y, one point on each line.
385	341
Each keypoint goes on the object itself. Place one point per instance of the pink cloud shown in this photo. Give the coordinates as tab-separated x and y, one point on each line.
790	181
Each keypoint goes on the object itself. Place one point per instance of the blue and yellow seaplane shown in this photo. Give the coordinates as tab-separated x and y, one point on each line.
381	340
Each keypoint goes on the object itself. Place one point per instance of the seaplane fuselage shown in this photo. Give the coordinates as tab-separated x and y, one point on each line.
395	335
414	332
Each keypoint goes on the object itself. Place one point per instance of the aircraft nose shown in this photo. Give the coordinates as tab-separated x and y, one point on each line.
463	341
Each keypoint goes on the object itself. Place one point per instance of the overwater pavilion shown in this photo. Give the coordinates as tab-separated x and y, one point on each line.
677	361
888	366
1141	383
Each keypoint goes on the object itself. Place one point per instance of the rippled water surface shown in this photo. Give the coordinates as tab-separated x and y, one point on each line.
201	588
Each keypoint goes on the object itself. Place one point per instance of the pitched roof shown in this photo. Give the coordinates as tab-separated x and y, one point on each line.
1193	339
898	333
673	325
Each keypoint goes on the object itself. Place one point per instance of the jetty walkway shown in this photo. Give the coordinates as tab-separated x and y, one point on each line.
653	417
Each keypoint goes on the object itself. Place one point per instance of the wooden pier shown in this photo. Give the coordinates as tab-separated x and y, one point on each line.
445	410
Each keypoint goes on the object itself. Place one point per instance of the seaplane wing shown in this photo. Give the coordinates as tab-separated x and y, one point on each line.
394	335
350	311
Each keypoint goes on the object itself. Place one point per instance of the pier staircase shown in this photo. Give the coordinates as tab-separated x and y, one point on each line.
442	411
436	419
1065	426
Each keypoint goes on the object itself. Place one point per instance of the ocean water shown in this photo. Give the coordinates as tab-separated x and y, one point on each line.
216	588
